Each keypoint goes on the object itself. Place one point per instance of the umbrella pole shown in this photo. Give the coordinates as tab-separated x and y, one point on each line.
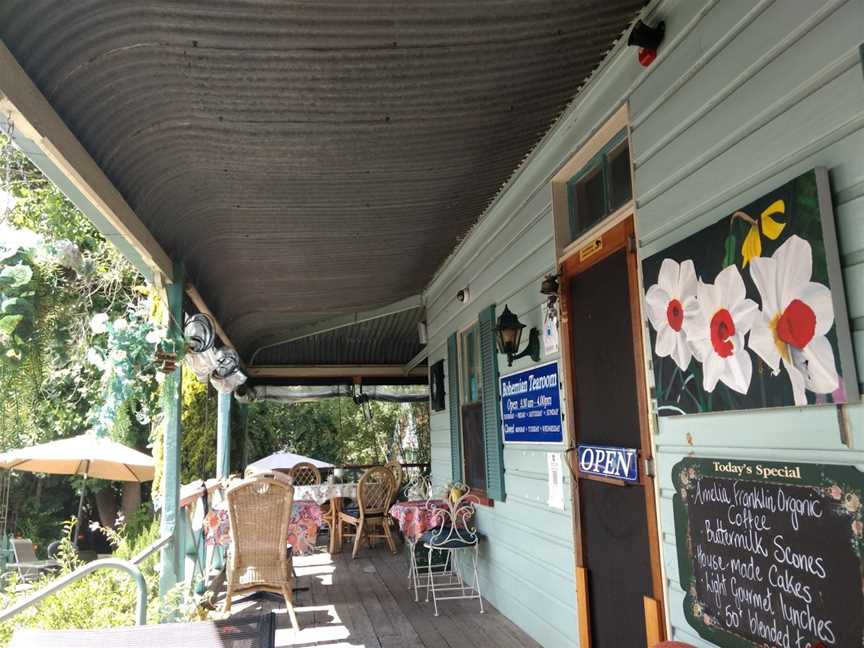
80	512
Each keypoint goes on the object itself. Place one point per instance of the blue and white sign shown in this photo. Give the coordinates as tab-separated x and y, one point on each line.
609	461
531	406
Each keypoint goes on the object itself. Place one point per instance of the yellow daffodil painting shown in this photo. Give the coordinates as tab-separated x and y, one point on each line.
766	223
749	312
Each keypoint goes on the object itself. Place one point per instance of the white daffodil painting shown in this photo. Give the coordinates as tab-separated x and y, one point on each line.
716	321
665	301
746	313
796	315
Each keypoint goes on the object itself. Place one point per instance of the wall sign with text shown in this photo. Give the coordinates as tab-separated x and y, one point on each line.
770	554
609	461
531	405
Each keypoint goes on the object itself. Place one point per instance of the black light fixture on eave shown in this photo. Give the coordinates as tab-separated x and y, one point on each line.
509	336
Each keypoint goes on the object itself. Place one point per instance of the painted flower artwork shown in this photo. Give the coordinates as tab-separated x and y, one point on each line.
744	313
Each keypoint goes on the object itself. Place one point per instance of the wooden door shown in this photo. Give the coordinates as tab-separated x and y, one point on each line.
616	526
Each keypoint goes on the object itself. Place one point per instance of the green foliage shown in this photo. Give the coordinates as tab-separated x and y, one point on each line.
198	452
103	599
336	430
58	376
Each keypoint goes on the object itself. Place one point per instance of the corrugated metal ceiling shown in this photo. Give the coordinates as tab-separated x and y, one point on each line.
308	158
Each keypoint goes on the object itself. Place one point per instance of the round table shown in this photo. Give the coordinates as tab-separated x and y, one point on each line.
302	529
416	517
333	492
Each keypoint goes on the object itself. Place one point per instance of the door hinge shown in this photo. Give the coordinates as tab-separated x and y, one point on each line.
631	243
649	466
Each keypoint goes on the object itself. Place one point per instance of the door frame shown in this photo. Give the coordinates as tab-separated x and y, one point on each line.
618	235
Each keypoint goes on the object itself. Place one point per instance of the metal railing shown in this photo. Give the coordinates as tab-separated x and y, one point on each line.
129	566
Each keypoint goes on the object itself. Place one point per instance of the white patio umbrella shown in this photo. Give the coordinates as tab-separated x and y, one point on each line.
283	461
86	455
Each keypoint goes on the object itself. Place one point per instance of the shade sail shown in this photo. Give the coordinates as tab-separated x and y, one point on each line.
284	461
86	454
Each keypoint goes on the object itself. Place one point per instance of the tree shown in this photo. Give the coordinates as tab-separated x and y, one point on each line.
74	321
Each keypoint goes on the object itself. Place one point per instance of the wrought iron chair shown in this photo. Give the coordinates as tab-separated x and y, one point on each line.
374	492
259	509
454	535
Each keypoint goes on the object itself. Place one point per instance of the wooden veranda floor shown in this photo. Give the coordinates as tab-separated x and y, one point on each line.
366	602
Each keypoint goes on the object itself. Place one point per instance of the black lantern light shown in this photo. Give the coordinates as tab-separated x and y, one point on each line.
509	332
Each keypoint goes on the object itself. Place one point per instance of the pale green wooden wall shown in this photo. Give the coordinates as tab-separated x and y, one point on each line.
745	96
751	95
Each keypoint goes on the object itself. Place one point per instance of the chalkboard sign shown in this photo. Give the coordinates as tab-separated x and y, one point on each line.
770	554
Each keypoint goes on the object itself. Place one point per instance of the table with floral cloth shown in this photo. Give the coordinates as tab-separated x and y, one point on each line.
416	517
302	529
322	492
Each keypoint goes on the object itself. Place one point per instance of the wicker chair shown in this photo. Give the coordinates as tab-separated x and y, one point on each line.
395	469
259	509
374	492
305	474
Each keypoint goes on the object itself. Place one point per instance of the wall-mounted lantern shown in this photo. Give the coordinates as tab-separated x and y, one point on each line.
509	332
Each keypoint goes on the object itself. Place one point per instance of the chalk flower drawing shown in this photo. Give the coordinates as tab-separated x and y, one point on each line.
716	321
796	314
676	283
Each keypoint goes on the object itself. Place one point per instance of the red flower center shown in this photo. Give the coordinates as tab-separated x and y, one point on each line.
797	324
675	314
722	328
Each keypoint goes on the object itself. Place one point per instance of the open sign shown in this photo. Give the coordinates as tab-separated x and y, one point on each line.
609	461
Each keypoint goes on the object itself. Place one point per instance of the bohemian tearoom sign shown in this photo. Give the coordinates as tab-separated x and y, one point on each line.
531	405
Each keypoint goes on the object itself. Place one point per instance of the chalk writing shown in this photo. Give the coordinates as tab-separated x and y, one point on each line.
769	559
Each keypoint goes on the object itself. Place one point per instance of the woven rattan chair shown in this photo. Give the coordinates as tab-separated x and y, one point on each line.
305	474
374	492
395	469
259	509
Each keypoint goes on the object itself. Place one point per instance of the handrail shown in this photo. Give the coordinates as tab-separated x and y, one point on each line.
129	566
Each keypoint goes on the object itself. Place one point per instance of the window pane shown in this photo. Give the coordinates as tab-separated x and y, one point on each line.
586	201
473	447
470	366
620	189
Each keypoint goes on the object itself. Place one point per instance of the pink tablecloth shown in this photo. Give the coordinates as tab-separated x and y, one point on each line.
417	517
302	530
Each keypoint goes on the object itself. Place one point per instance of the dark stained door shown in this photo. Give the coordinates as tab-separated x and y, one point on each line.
614	529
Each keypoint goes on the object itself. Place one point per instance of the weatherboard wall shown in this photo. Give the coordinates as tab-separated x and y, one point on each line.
746	97
743	97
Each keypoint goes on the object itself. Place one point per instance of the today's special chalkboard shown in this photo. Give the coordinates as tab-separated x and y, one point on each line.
770	554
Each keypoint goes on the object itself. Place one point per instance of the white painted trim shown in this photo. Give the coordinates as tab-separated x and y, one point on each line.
37	121
333	371
342	321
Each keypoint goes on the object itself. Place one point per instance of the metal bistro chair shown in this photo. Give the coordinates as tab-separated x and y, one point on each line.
28	566
453	536
259	509
374	491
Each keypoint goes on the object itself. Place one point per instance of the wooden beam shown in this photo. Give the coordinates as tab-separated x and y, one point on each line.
333	371
196	299
342	321
416	360
37	121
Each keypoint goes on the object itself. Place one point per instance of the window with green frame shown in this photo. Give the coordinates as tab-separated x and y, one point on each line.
601	187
